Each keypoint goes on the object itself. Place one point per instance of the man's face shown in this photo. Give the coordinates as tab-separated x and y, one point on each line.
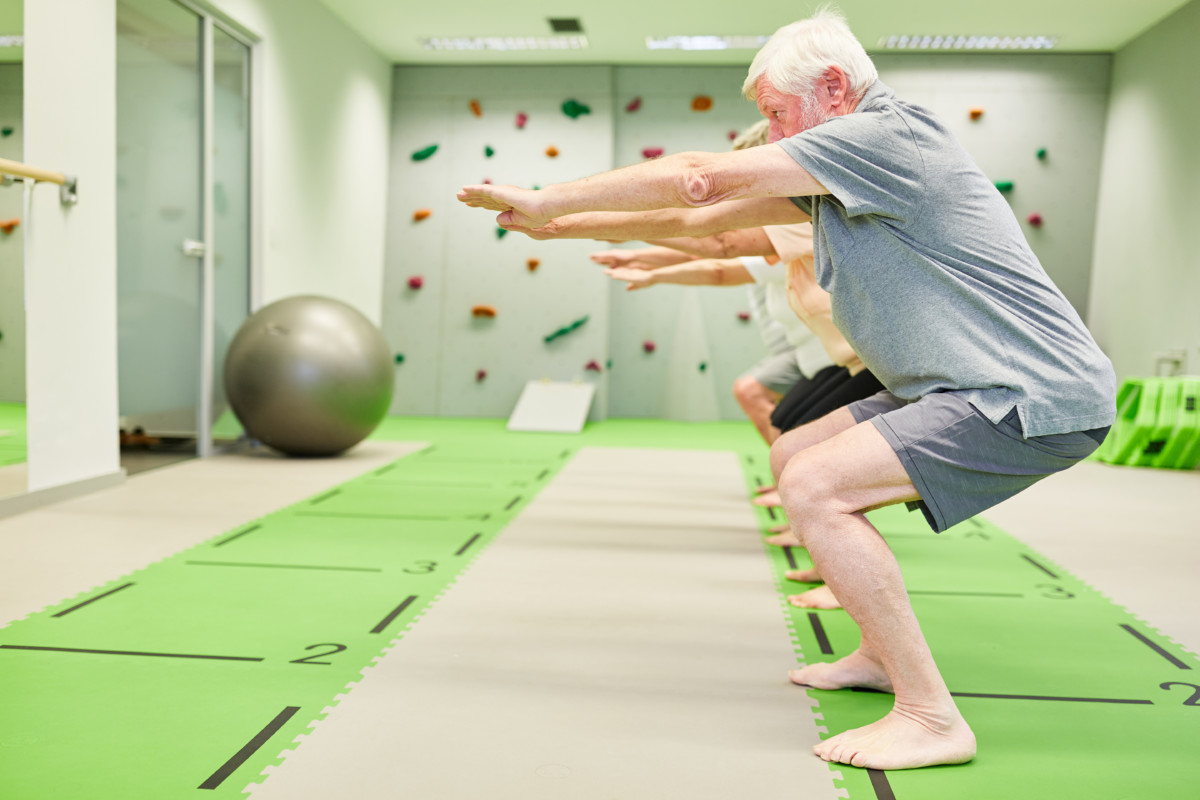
788	114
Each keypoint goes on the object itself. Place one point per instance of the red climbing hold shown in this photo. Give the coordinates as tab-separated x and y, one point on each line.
416	282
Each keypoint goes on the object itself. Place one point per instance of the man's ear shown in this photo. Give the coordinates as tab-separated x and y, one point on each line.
838	86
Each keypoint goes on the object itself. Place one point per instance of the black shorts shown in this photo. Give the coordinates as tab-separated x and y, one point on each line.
828	390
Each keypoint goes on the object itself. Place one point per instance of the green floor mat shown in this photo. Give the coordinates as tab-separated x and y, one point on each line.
12	434
1069	695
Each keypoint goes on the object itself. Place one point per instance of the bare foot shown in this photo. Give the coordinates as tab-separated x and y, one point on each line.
803	576
903	740
769	499
763	489
784	528
855	669
820	597
783	540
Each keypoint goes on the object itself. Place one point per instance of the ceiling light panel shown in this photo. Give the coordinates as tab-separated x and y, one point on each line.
968	42
705	42
506	43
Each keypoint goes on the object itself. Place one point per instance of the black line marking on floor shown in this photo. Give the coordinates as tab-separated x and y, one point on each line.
879	782
279	566
408	483
757	481
1153	646
1039	566
485	517
324	497
101	596
966	594
565	453
238	535
791	558
352	515
542	475
250	748
470	542
427	450
1058	699
814	619
749	459
408	601
124	653
975	522
771	512
512	503
386	469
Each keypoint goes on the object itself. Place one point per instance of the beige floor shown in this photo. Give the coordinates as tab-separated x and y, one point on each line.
677	681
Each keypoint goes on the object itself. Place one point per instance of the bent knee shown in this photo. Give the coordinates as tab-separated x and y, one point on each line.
805	486
747	389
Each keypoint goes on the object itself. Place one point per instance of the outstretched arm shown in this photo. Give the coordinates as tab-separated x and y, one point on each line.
728	244
681	181
646	258
703	272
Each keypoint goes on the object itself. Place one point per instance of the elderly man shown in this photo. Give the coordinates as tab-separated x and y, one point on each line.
994	382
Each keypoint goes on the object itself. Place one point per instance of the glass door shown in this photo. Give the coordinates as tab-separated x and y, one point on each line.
183	222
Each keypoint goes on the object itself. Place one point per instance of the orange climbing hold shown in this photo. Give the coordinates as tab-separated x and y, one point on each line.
483	311
701	102
532	264
976	112
421	213
476	109
9	225
552	151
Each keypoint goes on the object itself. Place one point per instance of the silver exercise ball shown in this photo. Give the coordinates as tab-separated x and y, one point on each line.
309	376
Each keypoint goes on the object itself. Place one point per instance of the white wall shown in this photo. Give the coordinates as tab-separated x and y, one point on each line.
12	246
70	258
324	121
1146	282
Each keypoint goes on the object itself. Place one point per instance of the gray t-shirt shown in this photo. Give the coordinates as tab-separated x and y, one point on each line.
933	283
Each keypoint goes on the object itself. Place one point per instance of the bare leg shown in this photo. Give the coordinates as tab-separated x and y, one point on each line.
758	402
827	487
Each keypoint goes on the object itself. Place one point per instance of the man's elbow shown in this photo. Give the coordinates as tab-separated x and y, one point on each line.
698	184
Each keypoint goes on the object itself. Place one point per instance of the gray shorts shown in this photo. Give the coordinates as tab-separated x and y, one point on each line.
777	372
960	461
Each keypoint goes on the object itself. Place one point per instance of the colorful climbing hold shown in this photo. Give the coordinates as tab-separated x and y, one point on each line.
480	375
575	109
703	366
563	331
1034	219
608	364
744	316
648	346
975	112
501	232
552	151
487	181
399	358
6	132
416	282
424	153
652	152
476	109
9	225
1005	186
421	213
522	118
633	105
485	311
593	366
1041	154
488	151
532	264
701	102
732	135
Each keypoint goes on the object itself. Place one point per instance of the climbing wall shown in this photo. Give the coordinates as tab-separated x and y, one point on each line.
492	311
1034	123
12	249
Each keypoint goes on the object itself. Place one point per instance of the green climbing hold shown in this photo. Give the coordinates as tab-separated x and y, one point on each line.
537	188
1041	154
608	364
563	331
488	151
6	132
703	366
500	232
425	153
399	358
577	323
575	109
1004	186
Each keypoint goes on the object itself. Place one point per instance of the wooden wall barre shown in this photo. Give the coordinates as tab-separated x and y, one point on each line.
67	183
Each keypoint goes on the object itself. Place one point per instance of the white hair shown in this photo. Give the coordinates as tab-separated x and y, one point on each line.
798	54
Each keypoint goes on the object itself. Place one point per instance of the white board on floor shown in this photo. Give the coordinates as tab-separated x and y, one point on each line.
552	407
